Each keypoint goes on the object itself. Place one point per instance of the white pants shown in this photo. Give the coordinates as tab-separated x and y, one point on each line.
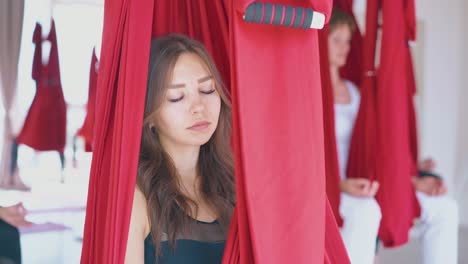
438	229
361	218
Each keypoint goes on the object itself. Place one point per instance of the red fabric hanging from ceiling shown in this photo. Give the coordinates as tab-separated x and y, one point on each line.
384	145
278	143
279	160
205	21
395	124
118	119
335	251
331	156
45	125
362	156
353	69
86	131
411	35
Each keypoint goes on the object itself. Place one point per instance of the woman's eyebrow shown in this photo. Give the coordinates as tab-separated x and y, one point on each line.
204	79
181	85
176	85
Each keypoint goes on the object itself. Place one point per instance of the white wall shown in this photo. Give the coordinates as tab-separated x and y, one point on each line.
439	112
462	161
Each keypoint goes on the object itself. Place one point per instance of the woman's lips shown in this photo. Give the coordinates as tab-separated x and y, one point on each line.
200	126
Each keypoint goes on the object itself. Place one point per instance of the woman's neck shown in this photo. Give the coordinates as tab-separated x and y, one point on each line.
185	160
335	76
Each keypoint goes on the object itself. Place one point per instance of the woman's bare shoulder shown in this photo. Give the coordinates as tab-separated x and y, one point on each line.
139	216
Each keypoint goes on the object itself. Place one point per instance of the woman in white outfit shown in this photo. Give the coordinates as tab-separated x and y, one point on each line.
438	224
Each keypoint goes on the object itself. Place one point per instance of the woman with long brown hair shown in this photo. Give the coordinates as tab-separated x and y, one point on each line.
185	190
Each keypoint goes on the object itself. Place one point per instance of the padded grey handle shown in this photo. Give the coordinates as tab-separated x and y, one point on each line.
284	15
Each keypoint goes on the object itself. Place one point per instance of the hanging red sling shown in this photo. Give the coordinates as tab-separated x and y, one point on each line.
276	94
384	140
86	130
332	172
127	33
395	121
45	125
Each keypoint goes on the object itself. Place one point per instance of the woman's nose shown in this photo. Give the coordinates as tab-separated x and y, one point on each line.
197	105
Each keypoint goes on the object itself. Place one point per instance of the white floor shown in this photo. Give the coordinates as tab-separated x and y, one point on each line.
56	209
410	253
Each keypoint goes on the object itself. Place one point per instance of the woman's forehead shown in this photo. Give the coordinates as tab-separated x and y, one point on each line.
189	67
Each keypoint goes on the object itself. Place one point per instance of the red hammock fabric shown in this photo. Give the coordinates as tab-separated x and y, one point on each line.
362	159
353	69
396	124
45	124
119	117
86	131
278	128
386	119
280	165
331	156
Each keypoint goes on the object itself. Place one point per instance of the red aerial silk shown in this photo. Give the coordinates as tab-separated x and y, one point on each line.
362	159
396	123
353	69
86	131
384	140
45	125
331	158
205	21
120	98
282	214
278	142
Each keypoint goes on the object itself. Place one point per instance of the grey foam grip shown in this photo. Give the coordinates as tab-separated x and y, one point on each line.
278	14
298	17
308	19
268	13
258	12
288	16
249	13
284	15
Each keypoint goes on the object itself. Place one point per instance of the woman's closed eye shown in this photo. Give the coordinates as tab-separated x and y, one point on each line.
174	100
208	91
205	90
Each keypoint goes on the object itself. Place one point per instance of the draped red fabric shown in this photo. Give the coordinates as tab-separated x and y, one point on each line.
86	131
335	251
119	115
411	35
278	143
45	125
395	123
205	21
353	69
384	145
331	157
281	214
362	156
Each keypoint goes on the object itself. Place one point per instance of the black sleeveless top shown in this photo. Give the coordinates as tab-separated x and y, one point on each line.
204	244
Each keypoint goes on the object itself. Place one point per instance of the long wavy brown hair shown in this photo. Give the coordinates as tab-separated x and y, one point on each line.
168	208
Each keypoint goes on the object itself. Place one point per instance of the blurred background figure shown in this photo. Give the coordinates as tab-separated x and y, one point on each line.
11	217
